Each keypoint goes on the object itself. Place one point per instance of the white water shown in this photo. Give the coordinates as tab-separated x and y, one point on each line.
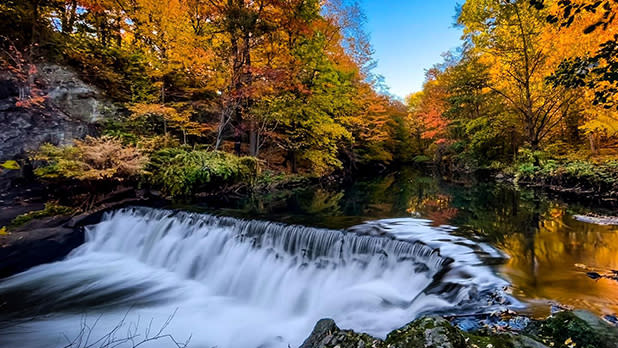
236	284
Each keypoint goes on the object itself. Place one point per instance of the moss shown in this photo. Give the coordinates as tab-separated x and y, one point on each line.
564	328
51	209
431	331
495	341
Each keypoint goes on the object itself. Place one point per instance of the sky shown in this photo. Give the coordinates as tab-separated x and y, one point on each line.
409	37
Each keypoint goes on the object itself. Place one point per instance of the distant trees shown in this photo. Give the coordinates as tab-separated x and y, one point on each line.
527	75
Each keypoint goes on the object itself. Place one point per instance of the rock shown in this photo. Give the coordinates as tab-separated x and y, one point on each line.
36	247
427	332
326	334
71	110
321	334
582	328
67	92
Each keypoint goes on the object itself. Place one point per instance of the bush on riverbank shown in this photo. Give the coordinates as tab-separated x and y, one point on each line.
182	172
573	174
90	160
101	164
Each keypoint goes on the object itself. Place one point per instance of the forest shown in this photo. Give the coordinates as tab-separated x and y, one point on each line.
234	173
288	86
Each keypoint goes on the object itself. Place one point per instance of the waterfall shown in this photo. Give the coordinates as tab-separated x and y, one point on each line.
233	283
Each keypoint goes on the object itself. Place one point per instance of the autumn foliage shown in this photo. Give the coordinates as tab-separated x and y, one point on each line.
531	77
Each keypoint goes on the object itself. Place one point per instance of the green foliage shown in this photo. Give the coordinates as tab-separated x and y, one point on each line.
183	172
421	159
542	168
51	209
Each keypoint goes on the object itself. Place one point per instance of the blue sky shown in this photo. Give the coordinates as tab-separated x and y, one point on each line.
409	37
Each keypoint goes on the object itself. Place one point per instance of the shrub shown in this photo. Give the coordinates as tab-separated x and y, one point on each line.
91	159
181	172
526	170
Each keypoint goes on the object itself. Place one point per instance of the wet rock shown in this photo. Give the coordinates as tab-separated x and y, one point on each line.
36	247
321	335
582	328
579	328
611	319
427	332
326	334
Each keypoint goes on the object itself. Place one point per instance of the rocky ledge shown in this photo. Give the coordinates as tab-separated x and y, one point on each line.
562	330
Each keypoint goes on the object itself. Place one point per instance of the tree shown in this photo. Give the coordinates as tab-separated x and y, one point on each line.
507	35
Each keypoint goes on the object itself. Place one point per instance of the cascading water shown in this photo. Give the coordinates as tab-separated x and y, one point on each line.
233	283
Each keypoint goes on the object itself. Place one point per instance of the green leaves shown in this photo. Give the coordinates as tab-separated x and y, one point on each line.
180	172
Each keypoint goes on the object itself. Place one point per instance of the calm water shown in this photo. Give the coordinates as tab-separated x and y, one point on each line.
548	247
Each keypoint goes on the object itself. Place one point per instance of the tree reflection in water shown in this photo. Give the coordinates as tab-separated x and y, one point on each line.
549	250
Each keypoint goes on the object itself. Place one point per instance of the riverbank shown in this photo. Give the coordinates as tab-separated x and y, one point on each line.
577	178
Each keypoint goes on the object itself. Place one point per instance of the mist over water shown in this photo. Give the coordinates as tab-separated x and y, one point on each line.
234	283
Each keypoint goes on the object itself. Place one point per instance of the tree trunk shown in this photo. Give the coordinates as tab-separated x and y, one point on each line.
593	146
238	141
293	162
253	139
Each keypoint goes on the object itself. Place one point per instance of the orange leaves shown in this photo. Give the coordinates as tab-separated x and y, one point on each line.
429	107
15	62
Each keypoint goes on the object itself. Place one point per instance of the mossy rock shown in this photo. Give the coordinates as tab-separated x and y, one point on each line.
432	332
327	335
566	328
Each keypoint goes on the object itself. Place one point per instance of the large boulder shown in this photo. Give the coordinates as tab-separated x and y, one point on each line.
70	111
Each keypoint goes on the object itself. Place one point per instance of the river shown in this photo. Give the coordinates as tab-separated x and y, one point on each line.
373	255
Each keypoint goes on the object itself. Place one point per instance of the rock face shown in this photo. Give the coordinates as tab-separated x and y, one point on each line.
70	111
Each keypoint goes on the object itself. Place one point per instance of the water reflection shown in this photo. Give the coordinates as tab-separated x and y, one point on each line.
548	247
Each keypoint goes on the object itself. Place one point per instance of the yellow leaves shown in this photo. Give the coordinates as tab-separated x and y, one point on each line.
569	343
10	165
3	231
177	118
91	159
